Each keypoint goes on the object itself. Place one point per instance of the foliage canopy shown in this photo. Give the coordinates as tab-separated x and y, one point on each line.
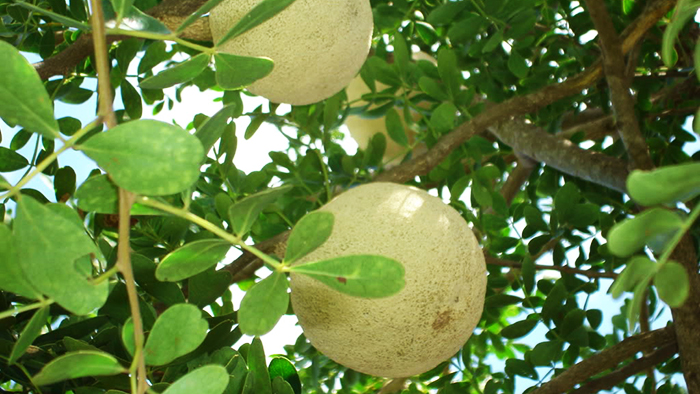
566	151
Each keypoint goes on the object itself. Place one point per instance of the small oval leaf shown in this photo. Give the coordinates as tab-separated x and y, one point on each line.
209	379
191	259
637	269
665	185
672	283
263	305
178	331
77	365
518	329
654	227
147	157
308	234
243	214
181	73
265	10
366	276
29	334
235	72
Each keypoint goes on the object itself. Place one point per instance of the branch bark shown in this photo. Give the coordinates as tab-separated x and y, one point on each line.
562	154
607	359
567	270
622	101
614	378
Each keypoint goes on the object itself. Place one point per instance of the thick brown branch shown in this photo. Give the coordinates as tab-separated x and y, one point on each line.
561	154
614	378
687	317
622	101
607	359
567	270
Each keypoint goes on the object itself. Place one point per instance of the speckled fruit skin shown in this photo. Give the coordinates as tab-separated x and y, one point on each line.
318	46
431	318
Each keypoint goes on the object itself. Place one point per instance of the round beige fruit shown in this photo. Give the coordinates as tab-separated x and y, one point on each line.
318	46
425	323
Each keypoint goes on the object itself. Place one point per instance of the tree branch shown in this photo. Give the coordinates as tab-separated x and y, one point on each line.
567	270
614	378
686	318
607	359
622	101
517	177
169	12
561	154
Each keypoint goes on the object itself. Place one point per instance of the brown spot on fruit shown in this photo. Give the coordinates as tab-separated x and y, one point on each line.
442	319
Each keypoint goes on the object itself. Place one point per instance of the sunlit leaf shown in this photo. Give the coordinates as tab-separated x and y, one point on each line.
178	331
209	379
23	98
77	365
191	259
653	227
665	185
638	268
13	278
147	156
308	234
672	283
395	128
366	276
70	22
263	305
98	194
257	364
180	73
48	246
282	368
235	72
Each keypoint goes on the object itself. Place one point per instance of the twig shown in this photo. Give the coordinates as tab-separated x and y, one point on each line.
614	378
622	101
607	359
126	199
517	178
567	270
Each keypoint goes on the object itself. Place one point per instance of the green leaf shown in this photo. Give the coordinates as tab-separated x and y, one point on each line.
178	331
204	9
48	246
145	275
635	308
493	42
443	117
565	202
13	278
520	367
64	183
401	54
366	276
131	100
653	227
11	160
375	150
308	234
78	365
191	259
209	379
98	194
517	64
672	283
282	368
449	71
29	334
546	353
147	156
207	286
637	269
122	6
518	329
236	72
23	98
70	22
263	305
265	10
595	317
395	128
181	73
501	300
467	28
135	20
213	128
685	10
245	212
433	88
280	386
258	368
665	185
